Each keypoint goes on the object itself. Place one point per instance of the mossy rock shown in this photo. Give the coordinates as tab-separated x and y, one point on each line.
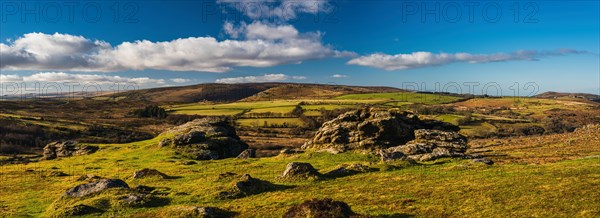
109	200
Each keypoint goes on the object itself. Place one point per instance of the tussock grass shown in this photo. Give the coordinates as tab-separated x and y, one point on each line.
440	188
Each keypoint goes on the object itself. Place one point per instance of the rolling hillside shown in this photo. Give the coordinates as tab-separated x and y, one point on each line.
586	96
246	91
315	91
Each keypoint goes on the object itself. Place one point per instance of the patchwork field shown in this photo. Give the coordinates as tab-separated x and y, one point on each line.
423	98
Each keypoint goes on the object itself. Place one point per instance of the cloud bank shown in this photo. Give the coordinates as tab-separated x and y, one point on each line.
428	59
260	79
264	46
61	77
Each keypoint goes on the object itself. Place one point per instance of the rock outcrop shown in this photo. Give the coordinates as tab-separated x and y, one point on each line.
205	139
248	153
346	169
247	186
297	170
428	145
201	212
395	134
370	128
105	196
320	208
96	186
67	149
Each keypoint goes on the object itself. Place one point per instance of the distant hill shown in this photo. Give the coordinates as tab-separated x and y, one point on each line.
586	96
317	91
246	92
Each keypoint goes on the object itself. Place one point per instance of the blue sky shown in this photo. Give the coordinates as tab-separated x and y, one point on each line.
552	44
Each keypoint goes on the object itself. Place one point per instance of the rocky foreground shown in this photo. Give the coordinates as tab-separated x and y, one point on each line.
394	134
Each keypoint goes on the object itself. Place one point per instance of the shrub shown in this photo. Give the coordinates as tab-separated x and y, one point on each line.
556	125
297	112
466	119
152	111
179	119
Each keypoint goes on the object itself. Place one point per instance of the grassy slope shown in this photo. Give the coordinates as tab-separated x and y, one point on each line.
453	188
443	188
405	97
532	107
314	91
242	91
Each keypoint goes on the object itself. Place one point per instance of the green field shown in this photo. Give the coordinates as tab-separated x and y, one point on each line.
209	112
53	123
235	108
327	106
397	103
404	97
444	188
281	107
277	110
476	129
268	122
286	106
448	118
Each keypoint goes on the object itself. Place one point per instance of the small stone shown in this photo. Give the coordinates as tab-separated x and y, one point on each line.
320	208
148	173
247	186
201	212
248	153
348	170
484	160
297	170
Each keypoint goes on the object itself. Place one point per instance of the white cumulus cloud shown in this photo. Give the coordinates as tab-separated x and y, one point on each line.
63	52
10	78
260	79
428	59
180	80
339	76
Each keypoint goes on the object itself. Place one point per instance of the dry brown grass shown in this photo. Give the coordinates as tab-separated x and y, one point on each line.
584	142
